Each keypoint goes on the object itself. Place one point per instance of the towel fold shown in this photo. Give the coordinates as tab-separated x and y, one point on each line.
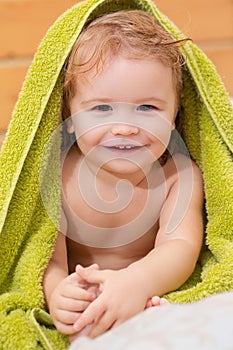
27	231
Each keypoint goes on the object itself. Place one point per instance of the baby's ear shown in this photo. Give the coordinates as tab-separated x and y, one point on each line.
69	126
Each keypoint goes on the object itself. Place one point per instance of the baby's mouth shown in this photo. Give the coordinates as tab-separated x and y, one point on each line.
124	147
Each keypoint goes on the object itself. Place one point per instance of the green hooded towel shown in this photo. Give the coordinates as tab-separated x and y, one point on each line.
27	231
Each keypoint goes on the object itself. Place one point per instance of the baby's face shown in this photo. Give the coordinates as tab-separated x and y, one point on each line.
125	113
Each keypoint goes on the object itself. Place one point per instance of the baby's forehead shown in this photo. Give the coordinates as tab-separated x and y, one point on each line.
107	61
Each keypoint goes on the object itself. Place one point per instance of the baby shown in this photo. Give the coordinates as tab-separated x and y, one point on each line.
131	222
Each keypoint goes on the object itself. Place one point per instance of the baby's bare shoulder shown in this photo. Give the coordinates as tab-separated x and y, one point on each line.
181	169
180	162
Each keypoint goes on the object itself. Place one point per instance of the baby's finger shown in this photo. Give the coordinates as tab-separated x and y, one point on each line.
88	268
102	325
77	293
92	267
164	301
155	300
116	324
148	304
74	305
94	311
91	275
94	289
64	328
76	279
65	320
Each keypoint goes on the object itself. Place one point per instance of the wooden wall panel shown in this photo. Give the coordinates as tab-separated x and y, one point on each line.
203	20
11	78
23	23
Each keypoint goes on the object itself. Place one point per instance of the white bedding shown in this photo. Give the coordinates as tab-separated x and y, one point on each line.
207	324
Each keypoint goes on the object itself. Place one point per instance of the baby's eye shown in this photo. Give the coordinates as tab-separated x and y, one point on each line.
102	108
146	108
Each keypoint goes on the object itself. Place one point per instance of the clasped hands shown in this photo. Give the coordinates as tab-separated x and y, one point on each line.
91	301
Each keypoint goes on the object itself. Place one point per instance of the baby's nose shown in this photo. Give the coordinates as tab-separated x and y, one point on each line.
124	129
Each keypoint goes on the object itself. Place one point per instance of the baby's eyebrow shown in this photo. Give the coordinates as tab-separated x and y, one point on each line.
150	100
96	100
143	100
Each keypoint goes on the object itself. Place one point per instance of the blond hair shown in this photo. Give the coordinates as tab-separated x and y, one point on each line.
130	34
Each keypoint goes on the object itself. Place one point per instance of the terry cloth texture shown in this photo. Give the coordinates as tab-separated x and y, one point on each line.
27	232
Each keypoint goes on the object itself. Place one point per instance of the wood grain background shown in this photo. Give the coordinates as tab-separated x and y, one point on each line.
24	23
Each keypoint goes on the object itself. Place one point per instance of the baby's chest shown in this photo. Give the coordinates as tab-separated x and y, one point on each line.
110	257
111	227
109	216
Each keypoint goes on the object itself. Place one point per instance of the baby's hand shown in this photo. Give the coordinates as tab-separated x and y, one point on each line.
68	300
117	302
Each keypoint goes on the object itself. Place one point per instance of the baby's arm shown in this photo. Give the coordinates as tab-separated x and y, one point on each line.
164	269
66	295
175	254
